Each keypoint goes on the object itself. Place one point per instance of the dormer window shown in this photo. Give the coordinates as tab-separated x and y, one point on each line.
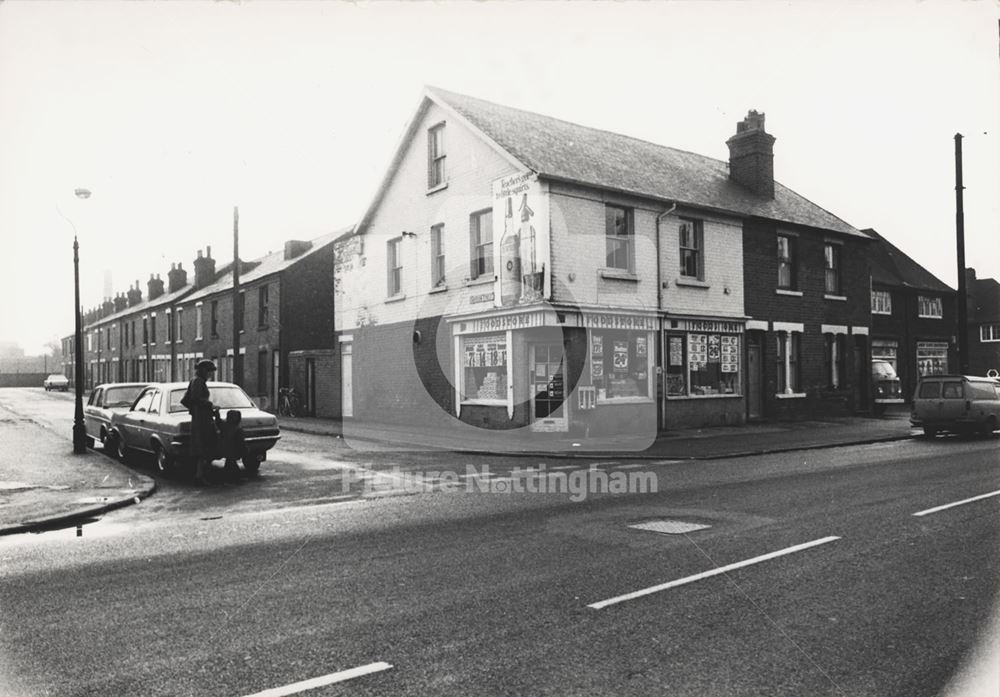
435	156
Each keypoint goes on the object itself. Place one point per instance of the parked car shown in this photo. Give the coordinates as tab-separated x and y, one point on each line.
56	381
158	423
886	387
104	401
957	404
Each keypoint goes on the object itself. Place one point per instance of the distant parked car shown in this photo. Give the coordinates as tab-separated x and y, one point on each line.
104	401
957	404
885	385
158	423
56	381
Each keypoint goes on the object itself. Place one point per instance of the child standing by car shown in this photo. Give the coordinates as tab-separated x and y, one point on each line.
233	446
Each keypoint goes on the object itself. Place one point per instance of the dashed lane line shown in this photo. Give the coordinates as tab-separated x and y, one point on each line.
324	680
709	574
957	503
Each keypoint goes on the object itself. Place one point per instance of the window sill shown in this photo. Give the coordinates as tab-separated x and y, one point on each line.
793	293
791	395
395	299
929	317
438	289
619	275
841	298
691	283
728	395
884	314
612	401
478	281
440	187
484	403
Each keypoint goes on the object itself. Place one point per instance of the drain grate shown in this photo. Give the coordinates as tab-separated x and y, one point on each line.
670	527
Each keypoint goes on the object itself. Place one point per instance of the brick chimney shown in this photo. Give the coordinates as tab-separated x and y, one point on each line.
204	268
134	295
107	308
177	278
121	302
294	248
154	286
751	155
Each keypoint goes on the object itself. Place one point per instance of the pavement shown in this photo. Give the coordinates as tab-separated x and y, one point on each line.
43	485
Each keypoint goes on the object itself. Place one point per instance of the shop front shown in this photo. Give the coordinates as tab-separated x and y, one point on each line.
703	374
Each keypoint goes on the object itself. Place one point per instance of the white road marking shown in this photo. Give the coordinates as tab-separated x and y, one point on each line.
709	574
957	503
565	467
631	467
665	462
323	680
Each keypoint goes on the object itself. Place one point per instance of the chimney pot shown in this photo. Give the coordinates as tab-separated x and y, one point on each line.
751	155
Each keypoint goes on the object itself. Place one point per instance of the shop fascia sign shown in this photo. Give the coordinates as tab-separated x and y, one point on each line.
521	255
715	326
605	320
522	320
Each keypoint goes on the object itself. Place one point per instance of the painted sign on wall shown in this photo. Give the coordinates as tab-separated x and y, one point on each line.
521	246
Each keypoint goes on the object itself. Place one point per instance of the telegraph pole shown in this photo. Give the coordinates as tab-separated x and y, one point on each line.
963	311
237	308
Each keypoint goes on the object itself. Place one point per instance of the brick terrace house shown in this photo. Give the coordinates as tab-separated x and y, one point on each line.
984	323
913	316
519	270
285	315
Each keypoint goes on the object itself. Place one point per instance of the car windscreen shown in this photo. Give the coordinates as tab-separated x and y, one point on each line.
222	397
883	370
121	396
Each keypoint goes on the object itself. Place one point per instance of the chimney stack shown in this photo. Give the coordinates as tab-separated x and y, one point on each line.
134	295
154	286
751	155
176	278
121	302
204	268
107	307
294	248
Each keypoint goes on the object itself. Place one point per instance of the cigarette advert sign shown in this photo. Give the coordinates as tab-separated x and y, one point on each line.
520	240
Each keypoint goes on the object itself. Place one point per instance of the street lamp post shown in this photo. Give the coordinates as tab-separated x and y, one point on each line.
79	430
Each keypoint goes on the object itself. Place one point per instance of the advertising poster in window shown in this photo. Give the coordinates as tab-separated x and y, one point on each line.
485	363
521	241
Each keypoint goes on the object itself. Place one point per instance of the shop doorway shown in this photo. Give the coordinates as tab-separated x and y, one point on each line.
755	375
548	387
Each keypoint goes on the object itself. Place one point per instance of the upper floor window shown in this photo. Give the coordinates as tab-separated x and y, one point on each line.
692	260
152	328
108	332
124	332
262	305
437	255
145	330
170	327
619	238
198	322
214	320
928	306
786	262
241	303
989	332
831	255
435	156
481	241
178	316
881	302
394	266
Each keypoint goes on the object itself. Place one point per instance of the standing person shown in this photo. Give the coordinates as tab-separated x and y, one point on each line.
204	438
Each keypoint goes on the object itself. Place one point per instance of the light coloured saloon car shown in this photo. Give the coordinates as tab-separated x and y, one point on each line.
104	401
159	424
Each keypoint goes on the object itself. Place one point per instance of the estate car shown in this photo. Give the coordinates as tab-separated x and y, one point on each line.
158	423
957	404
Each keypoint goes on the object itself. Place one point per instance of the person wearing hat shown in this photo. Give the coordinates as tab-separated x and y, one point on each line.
204	437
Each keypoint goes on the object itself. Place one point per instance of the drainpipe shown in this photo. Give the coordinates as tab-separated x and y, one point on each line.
659	274
661	402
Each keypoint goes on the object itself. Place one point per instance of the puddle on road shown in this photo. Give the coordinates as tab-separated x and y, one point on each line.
86	528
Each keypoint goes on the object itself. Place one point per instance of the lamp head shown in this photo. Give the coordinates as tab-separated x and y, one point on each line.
82	193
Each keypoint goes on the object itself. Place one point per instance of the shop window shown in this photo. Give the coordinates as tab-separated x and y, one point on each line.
437	256
701	365
831	255
881	302
691	243
833	359
932	358
619	238
928	306
619	364
435	156
484	361
481	243
989	332
786	262
787	367
888	351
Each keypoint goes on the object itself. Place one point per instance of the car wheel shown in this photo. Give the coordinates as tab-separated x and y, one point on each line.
251	463
121	450
930	431
164	461
988	427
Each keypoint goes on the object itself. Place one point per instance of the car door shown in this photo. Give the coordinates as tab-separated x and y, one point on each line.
91	413
952	403
133	421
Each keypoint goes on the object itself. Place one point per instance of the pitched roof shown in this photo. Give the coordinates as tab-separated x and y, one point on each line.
566	151
892	267
986	296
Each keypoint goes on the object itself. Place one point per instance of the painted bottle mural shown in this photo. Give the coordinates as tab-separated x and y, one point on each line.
531	285
510	259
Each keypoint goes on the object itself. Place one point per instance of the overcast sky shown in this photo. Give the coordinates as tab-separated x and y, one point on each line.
172	113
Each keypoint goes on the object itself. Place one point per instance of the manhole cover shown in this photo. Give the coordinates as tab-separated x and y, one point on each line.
670	527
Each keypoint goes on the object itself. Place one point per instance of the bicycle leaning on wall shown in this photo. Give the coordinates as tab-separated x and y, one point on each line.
288	402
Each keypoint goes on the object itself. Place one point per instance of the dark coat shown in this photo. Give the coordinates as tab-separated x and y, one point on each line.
204	436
